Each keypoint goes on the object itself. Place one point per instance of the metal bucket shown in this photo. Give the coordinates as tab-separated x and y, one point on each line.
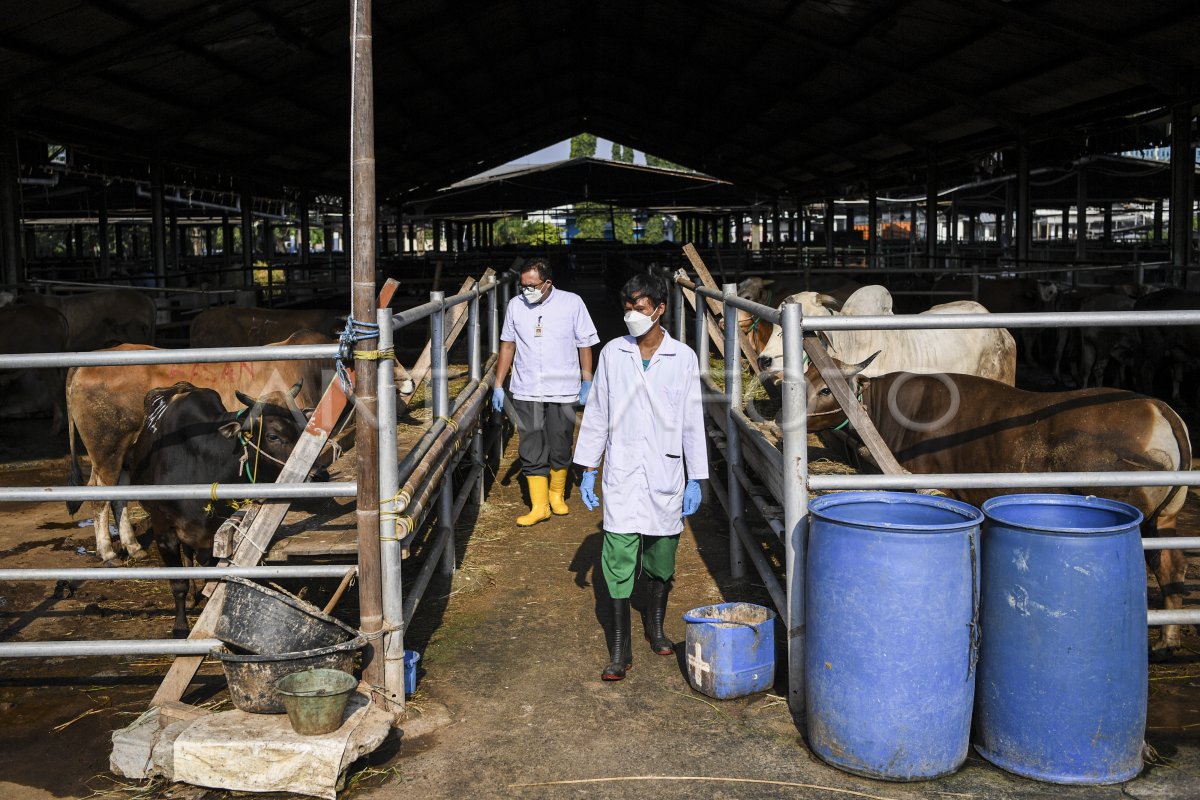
252	678
315	699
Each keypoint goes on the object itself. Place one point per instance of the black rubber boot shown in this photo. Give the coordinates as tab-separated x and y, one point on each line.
656	612
620	655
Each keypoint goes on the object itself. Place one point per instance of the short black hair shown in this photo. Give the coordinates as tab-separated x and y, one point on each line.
648	284
541	265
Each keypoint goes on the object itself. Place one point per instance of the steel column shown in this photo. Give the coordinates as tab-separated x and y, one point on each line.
362	307
305	230
795	499
158	231
10	255
475	373
1183	165
247	233
931	213
392	589
733	460
872	224
829	247
1024	223
441	408
104	240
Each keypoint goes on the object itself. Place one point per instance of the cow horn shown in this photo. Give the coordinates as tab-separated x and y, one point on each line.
245	399
829	301
860	366
295	390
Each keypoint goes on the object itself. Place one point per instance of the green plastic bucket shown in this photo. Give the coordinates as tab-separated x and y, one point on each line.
315	699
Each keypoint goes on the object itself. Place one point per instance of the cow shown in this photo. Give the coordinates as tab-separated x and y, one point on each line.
104	404
772	291
963	423
1100	346
188	437
102	319
31	392
233	326
1169	348
987	352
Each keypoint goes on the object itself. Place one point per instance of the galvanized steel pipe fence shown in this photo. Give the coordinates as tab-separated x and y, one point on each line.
787	476
465	416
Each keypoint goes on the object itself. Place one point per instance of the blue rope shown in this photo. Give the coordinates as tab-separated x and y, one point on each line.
354	332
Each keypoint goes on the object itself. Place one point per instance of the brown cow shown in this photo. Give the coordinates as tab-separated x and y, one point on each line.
33	329
233	326
962	423
103	319
105	404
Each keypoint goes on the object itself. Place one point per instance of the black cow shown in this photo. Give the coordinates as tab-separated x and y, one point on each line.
188	437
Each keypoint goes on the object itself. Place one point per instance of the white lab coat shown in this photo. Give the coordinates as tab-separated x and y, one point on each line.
647	424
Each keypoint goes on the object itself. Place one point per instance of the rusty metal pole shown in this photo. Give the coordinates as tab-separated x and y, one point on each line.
362	308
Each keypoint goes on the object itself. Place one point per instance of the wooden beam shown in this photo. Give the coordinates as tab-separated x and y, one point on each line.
262	521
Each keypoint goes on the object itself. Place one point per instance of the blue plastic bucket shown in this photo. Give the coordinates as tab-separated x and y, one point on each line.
411	657
889	657
730	649
1062	669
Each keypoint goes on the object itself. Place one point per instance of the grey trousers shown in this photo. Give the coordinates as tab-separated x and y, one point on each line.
546	431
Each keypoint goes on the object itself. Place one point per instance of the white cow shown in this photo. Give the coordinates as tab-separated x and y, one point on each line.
986	352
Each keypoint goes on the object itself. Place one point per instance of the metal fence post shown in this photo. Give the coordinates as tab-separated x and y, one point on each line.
475	372
733	444
497	305
701	336
795	498
441	408
389	544
677	298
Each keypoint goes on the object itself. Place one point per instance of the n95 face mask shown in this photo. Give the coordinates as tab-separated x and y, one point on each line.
637	322
533	295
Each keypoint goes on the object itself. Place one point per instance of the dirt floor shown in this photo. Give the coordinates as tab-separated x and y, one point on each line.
509	703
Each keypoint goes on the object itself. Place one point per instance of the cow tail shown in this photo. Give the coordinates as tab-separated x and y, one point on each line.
1184	442
75	475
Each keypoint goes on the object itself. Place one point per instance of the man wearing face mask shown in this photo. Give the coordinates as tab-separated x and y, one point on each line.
646	421
547	342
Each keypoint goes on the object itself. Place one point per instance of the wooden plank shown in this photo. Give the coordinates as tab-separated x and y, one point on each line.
850	404
458	321
707	279
261	526
705	276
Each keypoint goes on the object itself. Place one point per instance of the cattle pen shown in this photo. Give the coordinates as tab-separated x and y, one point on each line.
425	475
784	477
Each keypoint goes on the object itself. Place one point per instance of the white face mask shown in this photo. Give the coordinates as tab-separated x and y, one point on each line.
533	295
638	323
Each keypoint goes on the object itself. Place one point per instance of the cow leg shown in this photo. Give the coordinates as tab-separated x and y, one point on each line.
170	550
133	550
1087	362
1169	568
104	548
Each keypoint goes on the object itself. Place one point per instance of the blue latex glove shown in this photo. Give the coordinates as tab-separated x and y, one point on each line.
691	498
498	398
584	388
587	491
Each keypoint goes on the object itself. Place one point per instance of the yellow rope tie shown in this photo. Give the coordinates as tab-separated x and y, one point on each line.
386	354
450	423
236	505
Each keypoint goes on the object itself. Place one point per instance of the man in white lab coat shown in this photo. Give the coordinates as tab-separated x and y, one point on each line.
644	418
547	341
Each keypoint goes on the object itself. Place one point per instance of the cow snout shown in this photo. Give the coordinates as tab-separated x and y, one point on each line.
764	362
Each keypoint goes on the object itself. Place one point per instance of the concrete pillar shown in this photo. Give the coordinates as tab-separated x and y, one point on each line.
1158	221
1065	233
12	270
1024	222
1108	223
1081	223
872	225
952	228
1183	165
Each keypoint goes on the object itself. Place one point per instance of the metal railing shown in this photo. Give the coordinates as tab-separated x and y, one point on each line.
398	608
788	477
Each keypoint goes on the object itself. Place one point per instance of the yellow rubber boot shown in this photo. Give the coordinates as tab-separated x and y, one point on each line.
539	497
558	488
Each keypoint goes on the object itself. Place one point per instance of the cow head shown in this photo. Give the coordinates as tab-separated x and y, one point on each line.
770	355
824	412
267	430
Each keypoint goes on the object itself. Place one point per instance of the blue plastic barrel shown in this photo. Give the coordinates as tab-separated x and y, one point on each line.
891	643
1062	668
730	649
